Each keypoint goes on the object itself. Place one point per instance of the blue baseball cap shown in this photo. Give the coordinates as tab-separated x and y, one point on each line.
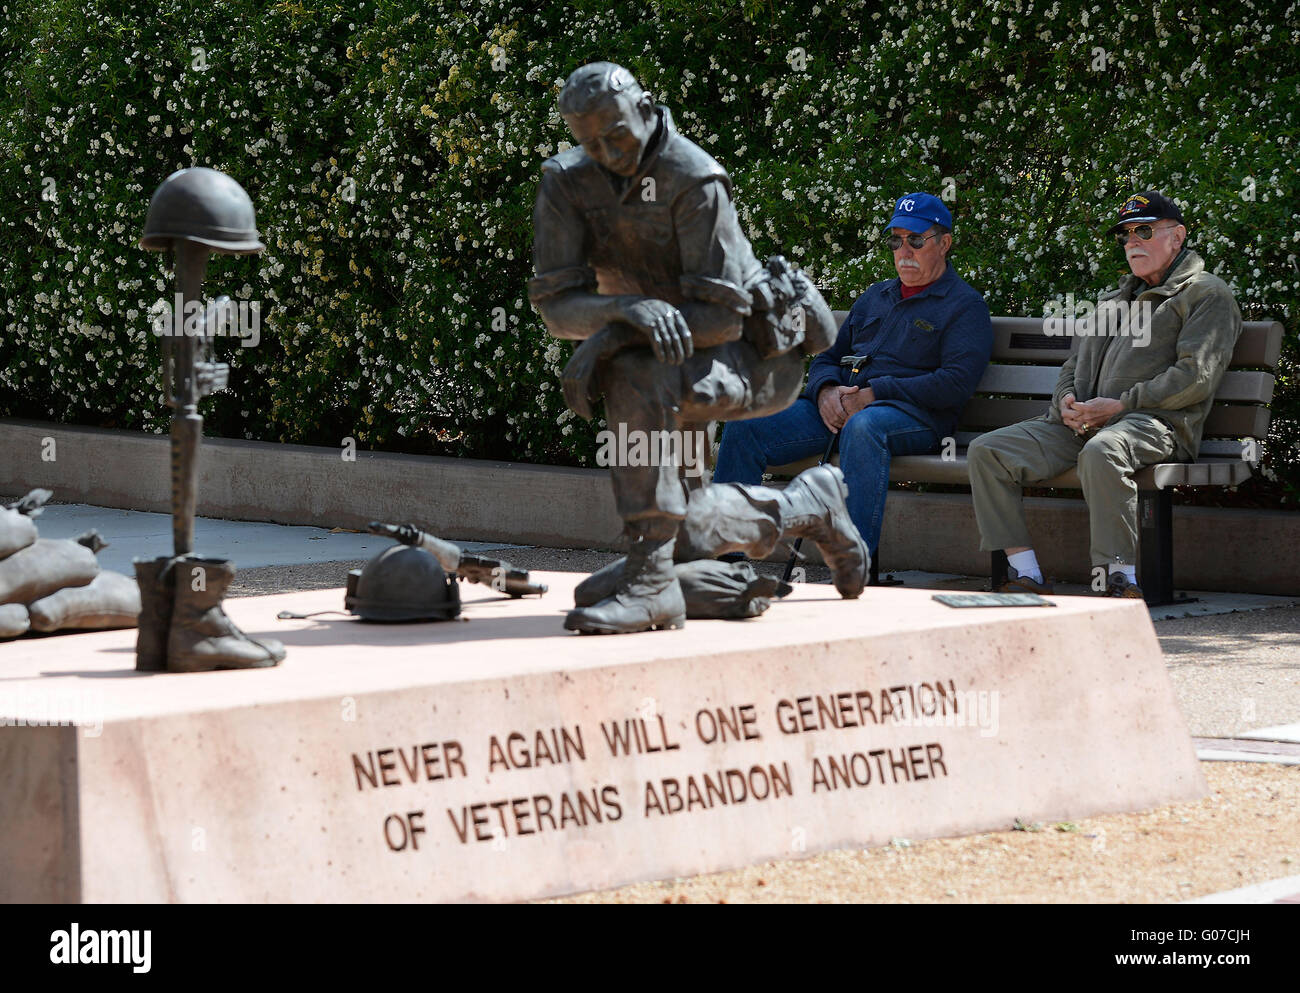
918	212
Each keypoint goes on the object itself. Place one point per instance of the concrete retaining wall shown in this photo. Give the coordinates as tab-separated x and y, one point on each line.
468	499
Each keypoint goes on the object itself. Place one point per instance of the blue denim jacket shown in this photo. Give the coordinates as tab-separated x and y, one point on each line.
927	352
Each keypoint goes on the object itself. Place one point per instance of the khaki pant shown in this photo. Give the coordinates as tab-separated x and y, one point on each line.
1002	461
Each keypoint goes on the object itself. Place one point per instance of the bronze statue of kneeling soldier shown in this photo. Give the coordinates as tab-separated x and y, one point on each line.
182	627
639	256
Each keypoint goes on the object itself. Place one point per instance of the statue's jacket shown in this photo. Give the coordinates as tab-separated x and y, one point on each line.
669	232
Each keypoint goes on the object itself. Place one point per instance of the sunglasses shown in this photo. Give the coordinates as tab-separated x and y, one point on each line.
895	241
1144	231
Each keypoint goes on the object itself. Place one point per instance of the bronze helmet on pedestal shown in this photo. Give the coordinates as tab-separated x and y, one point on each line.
203	206
403	583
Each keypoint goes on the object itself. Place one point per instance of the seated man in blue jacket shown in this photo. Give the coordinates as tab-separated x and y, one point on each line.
925	340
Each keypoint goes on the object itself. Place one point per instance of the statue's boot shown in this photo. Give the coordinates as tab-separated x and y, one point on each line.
600	584
202	636
813	507
710	588
734	517
646	595
154	577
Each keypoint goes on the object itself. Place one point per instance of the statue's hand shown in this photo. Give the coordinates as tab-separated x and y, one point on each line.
663	324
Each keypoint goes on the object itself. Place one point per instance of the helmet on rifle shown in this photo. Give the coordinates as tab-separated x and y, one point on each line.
203	206
403	583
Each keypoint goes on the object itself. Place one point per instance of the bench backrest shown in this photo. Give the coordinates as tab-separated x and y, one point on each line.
1022	374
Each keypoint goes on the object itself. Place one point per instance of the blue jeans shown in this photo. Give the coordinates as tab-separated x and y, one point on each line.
867	441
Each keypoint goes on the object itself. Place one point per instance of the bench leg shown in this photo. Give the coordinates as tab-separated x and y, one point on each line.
998	569
1156	548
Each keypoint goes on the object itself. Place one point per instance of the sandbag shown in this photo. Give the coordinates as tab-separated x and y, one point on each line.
730	590
711	589
110	600
43	567
13	620
17	531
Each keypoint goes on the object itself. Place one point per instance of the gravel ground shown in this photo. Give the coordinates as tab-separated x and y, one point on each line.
1231	673
1244	832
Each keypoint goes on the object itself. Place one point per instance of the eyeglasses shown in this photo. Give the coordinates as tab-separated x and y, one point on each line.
1144	231
895	241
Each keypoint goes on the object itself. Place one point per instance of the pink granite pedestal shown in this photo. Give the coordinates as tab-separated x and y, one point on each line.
501	758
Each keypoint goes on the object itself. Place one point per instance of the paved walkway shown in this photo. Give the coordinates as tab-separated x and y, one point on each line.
1285	890
138	534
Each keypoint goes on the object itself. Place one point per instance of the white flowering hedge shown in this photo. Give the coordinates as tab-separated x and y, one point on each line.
392	150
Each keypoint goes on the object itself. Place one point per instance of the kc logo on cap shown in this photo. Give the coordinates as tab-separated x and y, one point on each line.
918	212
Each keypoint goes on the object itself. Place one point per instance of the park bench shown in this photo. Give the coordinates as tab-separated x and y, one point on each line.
1018	385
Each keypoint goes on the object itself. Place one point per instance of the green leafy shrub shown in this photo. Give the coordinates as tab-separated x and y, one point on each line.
393	149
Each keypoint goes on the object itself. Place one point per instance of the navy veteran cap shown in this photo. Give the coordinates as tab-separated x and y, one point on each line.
1145	207
918	212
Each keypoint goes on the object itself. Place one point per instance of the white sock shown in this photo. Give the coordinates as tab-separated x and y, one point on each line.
1130	571
1026	564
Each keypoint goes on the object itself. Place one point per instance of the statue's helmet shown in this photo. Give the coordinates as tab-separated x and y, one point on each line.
403	583
203	206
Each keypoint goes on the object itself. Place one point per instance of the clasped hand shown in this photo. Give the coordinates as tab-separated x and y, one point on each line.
1086	417
837	404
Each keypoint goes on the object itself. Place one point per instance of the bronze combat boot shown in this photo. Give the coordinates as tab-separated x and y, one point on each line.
647	594
813	507
600	584
154	578
202	636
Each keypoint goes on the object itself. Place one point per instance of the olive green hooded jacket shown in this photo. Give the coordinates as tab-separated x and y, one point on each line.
1168	366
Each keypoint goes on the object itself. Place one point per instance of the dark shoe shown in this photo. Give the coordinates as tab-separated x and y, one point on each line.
647	595
1017	583
202	636
813	507
154	577
1119	586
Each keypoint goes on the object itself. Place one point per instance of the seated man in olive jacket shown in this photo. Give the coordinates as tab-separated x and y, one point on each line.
1131	395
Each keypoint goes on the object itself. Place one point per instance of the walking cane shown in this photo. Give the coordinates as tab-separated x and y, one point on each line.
854	362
